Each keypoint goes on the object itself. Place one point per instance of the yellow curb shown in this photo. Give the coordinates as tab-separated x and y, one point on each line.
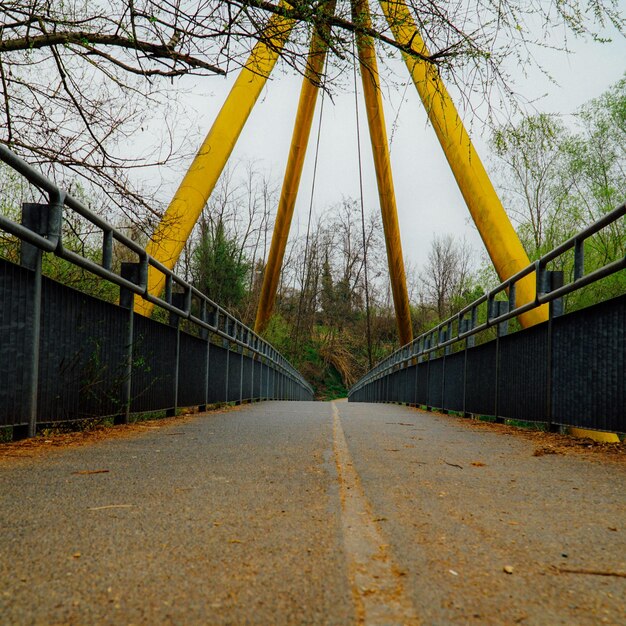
596	435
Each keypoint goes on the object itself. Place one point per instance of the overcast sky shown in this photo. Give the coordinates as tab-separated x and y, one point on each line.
427	195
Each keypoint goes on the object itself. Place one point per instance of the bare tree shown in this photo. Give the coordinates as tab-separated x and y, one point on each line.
447	273
240	213
80	79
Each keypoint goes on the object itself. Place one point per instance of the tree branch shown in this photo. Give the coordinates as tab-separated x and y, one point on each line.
86	38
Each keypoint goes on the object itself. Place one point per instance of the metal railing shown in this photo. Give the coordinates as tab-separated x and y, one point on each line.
406	375
40	231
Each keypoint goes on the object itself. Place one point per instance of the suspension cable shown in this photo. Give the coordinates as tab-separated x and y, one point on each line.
358	143
305	273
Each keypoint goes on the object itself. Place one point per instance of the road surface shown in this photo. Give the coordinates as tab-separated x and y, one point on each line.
313	513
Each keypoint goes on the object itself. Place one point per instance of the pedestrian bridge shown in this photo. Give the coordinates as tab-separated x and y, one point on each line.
70	357
293	511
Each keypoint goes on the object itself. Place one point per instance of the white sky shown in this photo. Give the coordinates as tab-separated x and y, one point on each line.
427	195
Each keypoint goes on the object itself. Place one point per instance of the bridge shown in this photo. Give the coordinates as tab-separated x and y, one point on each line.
284	510
446	489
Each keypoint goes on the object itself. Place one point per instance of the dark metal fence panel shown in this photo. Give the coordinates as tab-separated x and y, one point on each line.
407	387
393	386
16	320
421	392
568	371
273	389
399	385
589	367
523	375
154	356
234	374
411	387
585	369
454	380
435	383
480	390
256	388
85	361
217	374
192	372
248	364
82	363
268	382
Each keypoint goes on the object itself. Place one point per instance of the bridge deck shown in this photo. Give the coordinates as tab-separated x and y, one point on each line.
328	513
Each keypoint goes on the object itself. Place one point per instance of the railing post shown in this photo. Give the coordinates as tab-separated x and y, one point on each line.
498	308
579	259
226	345
549	280
443	337
131	272
206	336
253	361
178	300
34	217
241	348
465	325
415	379
428	354
471	341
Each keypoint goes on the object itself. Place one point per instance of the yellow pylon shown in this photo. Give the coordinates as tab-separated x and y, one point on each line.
182	214
495	228
382	163
291	181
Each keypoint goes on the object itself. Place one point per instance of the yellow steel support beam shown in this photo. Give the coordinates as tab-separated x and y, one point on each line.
500	239
382	163
182	214
293	172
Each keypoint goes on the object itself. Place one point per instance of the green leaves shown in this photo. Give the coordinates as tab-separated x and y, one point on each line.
219	266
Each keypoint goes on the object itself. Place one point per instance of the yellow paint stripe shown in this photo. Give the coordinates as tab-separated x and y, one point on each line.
376	581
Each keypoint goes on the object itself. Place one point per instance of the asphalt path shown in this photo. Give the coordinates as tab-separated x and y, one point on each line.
312	513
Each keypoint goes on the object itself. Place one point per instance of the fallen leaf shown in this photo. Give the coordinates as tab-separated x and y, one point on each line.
545	450
87	472
235	541
76	555
508	569
478	464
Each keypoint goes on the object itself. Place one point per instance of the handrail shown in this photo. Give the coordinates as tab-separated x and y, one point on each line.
442	335
232	329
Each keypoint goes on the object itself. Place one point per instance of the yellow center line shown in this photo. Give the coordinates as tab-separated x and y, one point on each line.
376	581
